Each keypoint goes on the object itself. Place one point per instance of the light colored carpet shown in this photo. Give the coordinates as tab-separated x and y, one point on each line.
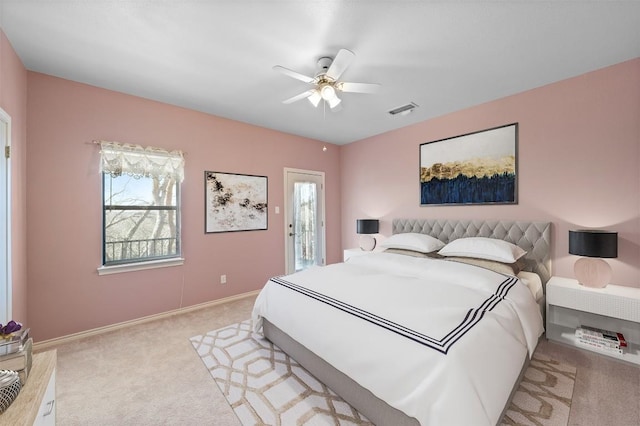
265	386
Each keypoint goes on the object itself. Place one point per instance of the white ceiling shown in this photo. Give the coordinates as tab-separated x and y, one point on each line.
216	56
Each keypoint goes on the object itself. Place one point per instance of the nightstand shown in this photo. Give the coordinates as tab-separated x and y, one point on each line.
615	308
358	252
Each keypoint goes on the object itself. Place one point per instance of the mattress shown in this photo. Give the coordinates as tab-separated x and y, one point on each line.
423	335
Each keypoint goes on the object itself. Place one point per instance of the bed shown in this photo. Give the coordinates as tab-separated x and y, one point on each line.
415	340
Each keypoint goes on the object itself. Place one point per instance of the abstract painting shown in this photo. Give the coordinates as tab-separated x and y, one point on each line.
235	202
475	168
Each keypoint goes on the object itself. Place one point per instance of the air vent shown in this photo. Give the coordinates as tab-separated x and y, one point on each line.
404	109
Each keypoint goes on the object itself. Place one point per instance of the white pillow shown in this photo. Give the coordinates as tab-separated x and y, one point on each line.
483	248
413	241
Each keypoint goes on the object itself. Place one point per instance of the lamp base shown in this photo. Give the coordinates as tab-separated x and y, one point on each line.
592	272
367	243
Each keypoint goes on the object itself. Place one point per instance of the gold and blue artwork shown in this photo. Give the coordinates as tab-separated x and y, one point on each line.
475	168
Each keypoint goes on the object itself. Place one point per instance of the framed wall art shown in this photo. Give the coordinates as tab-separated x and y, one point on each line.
235	202
476	168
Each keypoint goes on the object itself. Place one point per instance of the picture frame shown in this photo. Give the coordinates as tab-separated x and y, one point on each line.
235	202
471	169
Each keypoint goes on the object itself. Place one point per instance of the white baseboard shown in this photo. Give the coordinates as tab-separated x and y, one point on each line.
49	344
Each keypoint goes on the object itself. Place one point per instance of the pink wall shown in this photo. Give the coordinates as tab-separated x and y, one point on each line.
578	166
13	100
64	205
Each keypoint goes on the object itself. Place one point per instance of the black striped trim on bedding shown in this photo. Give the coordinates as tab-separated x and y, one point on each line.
473	316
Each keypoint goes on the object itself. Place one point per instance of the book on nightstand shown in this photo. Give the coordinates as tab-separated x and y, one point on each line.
605	340
600	347
601	335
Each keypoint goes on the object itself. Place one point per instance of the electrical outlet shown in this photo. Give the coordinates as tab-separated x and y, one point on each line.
223	279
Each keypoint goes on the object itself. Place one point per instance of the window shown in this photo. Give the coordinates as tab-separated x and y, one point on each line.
141	203
305	208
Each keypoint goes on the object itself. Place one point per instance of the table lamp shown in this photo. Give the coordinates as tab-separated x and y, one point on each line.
367	227
592	271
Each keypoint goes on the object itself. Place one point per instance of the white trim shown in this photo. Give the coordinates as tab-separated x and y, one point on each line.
6	281
139	266
51	343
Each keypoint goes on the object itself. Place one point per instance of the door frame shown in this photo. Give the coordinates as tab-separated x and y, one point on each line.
287	240
6	292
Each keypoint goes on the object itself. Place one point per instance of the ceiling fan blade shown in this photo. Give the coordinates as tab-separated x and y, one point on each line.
294	74
298	97
340	63
358	87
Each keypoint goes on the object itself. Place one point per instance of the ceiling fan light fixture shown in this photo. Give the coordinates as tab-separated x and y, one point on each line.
315	98
328	93
334	102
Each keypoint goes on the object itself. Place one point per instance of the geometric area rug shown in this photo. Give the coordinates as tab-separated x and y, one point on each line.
544	395
264	386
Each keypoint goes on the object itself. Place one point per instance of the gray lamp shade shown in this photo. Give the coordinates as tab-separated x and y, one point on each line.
593	243
367	226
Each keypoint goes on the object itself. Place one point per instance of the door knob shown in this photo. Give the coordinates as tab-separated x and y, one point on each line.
291	234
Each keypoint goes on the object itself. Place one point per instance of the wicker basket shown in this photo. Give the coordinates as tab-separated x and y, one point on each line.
10	386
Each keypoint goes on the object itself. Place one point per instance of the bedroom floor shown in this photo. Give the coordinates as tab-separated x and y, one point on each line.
149	374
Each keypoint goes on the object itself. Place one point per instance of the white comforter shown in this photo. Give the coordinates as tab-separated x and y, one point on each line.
441	341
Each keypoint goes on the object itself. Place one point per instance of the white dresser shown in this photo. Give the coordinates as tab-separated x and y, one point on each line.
615	308
36	402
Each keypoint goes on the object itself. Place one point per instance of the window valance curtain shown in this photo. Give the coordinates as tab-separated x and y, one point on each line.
137	161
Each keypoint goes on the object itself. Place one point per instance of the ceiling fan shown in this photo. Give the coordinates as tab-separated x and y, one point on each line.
326	84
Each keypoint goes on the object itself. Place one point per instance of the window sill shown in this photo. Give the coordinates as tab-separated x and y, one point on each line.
140	266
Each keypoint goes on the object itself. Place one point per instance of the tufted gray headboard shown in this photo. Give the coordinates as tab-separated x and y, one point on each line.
534	237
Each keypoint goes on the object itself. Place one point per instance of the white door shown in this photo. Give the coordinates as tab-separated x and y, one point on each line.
5	218
304	219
